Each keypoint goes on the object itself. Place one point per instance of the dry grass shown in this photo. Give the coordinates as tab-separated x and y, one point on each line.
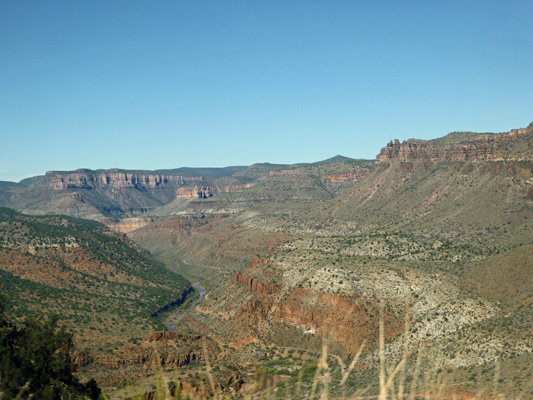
411	377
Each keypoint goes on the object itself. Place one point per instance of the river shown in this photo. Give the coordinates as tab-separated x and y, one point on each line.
171	321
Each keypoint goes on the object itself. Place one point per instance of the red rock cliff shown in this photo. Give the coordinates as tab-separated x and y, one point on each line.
254	285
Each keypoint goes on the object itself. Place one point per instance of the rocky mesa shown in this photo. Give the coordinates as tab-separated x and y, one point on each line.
113	178
481	146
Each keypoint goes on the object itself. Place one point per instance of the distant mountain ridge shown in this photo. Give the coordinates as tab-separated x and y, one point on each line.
116	193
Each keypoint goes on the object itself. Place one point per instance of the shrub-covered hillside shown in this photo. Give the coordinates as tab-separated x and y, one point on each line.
104	289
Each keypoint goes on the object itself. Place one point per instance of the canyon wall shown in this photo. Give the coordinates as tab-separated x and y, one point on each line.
354	176
489	146
348	319
114	178
195	192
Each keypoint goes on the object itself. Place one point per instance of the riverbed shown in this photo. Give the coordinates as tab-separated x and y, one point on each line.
171	321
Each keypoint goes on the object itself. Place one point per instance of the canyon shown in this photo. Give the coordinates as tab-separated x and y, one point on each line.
430	243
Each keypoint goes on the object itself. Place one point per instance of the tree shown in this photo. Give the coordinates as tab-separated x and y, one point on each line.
35	361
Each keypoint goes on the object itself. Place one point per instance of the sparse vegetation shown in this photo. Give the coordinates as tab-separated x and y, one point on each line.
426	261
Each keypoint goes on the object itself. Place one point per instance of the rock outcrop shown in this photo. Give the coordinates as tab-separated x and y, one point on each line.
195	192
489	146
114	178
234	188
338	177
345	318
158	350
341	317
127	225
254	285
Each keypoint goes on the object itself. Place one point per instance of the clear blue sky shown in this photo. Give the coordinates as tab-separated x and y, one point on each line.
165	84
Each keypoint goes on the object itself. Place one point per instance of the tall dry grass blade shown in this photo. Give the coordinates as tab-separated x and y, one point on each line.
390	380
496	379
382	377
358	394
177	391
401	387
22	390
161	388
442	387
352	365
431	379
417	371
426	382
321	363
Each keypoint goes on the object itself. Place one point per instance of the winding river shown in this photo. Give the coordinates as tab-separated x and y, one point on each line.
171	321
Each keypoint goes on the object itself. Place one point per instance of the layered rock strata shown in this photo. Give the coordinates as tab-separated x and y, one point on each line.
338	177
483	147
87	179
195	192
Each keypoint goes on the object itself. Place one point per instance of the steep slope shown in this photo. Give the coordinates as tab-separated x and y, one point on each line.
437	190
112	296
6	190
439	232
105	290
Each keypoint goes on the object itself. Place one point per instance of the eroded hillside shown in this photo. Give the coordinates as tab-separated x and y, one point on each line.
438	231
431	243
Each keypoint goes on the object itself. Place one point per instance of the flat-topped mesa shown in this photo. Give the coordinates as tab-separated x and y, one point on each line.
422	150
484	146
114	178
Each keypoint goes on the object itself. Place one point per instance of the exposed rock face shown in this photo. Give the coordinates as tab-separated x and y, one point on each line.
346	318
113	194
258	262
342	176
418	149
234	188
254	285
87	179
482	147
195	192
159	349
127	225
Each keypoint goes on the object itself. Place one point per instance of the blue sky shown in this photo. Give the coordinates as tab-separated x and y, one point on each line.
165	84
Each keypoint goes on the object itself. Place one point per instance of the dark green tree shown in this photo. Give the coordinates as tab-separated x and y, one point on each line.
35	361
